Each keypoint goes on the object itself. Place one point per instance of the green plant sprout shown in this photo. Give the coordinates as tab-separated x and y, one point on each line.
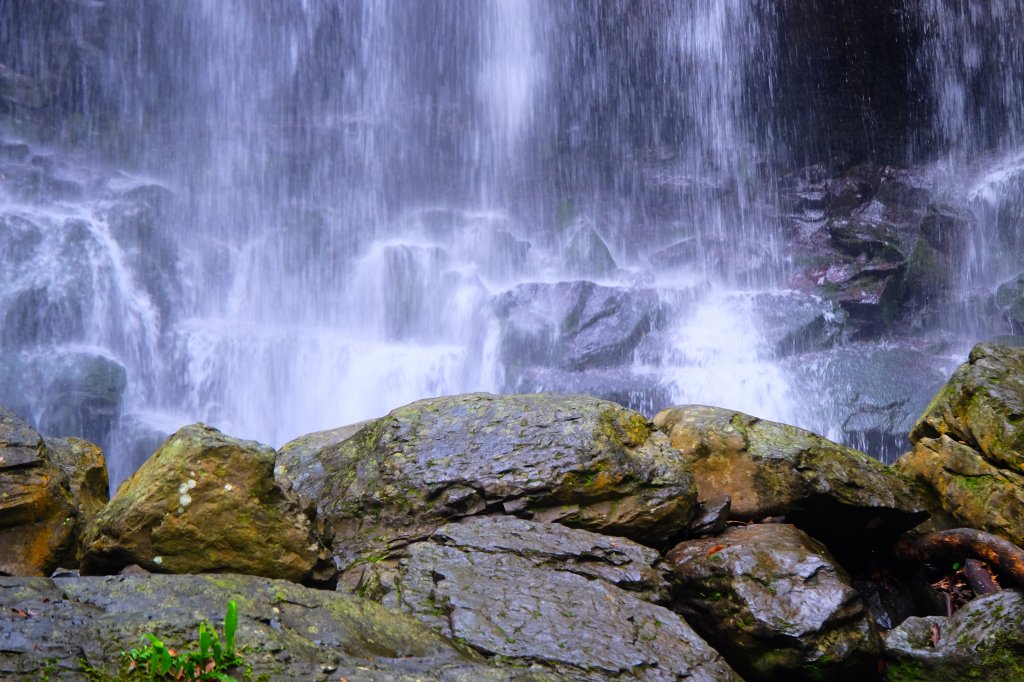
157	661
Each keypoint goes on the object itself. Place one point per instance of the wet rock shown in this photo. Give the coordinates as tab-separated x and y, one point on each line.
566	599
871	393
1010	301
982	406
835	493
62	278
862	239
712	516
982	641
137	218
203	502
85	469
791	322
847	192
70	392
38	520
947	228
83	394
869	291
928	279
775	604
585	253
285	631
627	386
976	493
683	252
581	461
300	465
572	326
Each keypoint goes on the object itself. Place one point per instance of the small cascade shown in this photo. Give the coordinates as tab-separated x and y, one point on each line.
79	323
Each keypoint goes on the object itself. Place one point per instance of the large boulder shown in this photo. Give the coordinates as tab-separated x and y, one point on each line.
775	604
982	406
567	599
982	641
38	519
581	461
835	493
204	502
76	629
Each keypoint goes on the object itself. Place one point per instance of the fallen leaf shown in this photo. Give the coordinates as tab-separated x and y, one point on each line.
714	550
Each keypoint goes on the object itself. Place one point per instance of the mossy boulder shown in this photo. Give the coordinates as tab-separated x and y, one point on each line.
76	629
773	601
204	502
974	492
837	494
573	459
983	641
38	519
982	406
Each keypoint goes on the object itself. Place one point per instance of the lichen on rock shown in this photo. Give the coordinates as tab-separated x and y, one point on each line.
233	518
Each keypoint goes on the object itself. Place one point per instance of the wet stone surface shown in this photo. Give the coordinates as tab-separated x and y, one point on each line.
773	601
49	628
577	460
566	599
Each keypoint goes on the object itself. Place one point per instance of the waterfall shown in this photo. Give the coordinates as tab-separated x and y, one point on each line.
285	217
975	59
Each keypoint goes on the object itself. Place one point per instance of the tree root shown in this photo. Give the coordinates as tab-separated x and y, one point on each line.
1005	558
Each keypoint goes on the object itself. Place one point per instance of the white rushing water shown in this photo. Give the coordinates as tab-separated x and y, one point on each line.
355	204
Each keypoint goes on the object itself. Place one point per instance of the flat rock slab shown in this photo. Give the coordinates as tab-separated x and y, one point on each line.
775	604
577	460
983	641
285	631
982	406
566	599
839	495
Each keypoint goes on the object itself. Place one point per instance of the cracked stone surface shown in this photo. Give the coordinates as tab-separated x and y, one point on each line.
566	599
285	631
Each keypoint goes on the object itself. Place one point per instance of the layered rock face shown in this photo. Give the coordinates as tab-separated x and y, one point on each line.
48	490
968	444
769	469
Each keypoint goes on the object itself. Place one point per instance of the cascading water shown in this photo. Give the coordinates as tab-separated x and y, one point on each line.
974	56
331	208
